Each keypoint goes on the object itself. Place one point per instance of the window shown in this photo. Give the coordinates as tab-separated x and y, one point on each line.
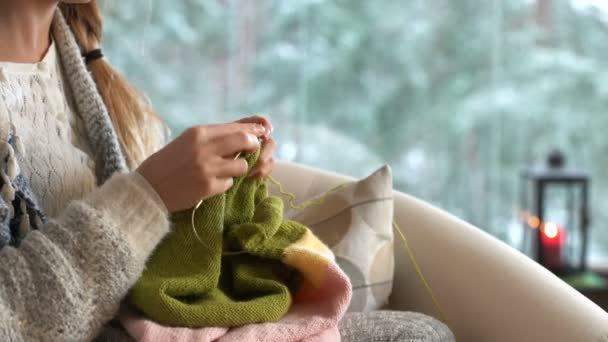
458	96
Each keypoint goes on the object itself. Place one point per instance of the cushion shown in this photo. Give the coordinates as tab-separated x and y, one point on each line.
355	221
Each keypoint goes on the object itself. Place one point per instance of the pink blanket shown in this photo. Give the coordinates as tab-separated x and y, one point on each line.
319	304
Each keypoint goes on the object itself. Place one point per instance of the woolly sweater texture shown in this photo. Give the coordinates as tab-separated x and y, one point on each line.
76	226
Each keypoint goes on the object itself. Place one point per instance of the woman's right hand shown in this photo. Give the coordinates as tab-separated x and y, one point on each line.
200	163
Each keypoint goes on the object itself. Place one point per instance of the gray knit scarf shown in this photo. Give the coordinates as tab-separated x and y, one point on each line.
19	208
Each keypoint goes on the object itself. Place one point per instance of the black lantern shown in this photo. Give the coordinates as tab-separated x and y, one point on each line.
555	215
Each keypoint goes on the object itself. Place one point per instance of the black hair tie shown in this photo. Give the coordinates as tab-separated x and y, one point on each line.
92	55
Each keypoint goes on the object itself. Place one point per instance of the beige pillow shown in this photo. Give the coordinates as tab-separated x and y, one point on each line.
356	223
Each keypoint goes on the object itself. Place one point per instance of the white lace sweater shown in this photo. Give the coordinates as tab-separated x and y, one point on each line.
58	157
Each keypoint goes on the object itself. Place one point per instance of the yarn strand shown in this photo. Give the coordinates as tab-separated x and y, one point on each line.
292	196
427	287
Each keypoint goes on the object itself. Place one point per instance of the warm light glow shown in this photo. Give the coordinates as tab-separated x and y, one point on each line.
533	222
551	230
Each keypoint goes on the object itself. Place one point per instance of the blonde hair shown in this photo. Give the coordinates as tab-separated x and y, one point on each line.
140	130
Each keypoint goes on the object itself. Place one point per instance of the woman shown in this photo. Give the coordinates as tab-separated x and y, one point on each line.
87	183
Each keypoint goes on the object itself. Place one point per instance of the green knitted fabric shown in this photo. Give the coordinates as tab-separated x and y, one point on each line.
235	276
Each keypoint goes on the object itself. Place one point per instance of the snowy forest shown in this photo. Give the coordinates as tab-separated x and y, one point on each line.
457	96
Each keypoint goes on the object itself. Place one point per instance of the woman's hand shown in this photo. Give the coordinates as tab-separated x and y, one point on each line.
266	162
200	163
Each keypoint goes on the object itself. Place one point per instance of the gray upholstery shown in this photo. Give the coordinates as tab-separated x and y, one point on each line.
393	326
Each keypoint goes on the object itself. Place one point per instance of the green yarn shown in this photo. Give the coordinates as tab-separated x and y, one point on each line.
234	276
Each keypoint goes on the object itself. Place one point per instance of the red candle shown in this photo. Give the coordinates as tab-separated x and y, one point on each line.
553	237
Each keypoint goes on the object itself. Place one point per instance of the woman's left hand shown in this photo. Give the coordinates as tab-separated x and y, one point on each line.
266	161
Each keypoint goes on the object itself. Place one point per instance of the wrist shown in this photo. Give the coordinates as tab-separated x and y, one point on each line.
151	189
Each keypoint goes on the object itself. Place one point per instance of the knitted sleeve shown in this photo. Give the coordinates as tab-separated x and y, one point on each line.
67	279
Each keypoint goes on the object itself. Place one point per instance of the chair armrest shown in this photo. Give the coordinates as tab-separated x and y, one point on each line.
488	290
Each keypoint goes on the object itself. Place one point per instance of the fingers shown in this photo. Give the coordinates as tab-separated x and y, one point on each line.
263	170
266	162
254	128
203	134
230	145
258	119
268	149
233	168
222	185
